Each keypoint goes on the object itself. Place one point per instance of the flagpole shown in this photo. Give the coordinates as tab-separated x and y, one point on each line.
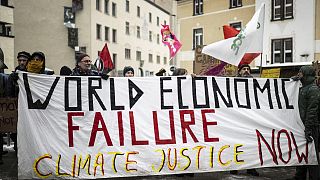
261	65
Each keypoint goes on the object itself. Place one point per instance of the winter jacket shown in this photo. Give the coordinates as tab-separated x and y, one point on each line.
309	98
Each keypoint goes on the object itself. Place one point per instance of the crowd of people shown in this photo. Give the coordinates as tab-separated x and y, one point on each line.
309	95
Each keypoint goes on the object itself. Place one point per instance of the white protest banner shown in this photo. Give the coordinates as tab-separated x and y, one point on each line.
87	127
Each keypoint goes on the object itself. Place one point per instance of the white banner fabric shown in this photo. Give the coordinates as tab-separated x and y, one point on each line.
87	127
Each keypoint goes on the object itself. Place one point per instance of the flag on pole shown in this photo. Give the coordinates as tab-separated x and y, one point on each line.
230	32
249	39
169	39
104	62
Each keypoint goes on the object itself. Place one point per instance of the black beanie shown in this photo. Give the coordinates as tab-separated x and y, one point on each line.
126	69
80	56
242	66
24	54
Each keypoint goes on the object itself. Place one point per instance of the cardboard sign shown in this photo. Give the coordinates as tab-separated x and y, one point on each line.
8	115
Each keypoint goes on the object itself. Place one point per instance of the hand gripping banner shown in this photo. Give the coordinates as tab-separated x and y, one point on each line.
87	127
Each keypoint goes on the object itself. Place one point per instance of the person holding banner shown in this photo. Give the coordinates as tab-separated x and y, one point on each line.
3	81
84	67
128	71
309	99
23	58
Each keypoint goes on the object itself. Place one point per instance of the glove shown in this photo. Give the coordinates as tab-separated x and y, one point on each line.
308	135
105	76
295	78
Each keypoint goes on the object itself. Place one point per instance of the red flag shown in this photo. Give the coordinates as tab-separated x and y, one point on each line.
229	32
105	57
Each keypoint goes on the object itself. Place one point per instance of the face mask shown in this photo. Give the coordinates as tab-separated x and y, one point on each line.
35	66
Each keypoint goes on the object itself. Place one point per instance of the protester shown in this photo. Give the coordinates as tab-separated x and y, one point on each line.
128	71
309	99
37	63
84	67
23	58
244	70
65	71
3	82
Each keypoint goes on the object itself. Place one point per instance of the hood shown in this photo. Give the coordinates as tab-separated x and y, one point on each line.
308	75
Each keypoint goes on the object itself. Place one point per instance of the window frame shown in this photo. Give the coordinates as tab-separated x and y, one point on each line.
138	32
127	53
127	28
114	35
114	9
235	3
150	58
283	15
98	31
150	36
138	11
138	54
106	6
98	7
197	7
127	6
106	33
283	51
195	35
150	17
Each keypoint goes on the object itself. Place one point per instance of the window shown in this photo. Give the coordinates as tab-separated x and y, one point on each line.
4	2
164	60
106	33
158	21
127	53
138	55
281	50
114	59
150	36
98	31
235	3
5	29
127	5
197	37
282	9
197	7
114	9
158	59
158	38
106	6
138	32
127	28
236	25
150	17
98	5
114	35
150	58
164	22
138	11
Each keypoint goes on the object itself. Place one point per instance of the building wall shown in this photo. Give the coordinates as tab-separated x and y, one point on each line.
7	42
131	41
216	14
301	28
39	27
46	32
